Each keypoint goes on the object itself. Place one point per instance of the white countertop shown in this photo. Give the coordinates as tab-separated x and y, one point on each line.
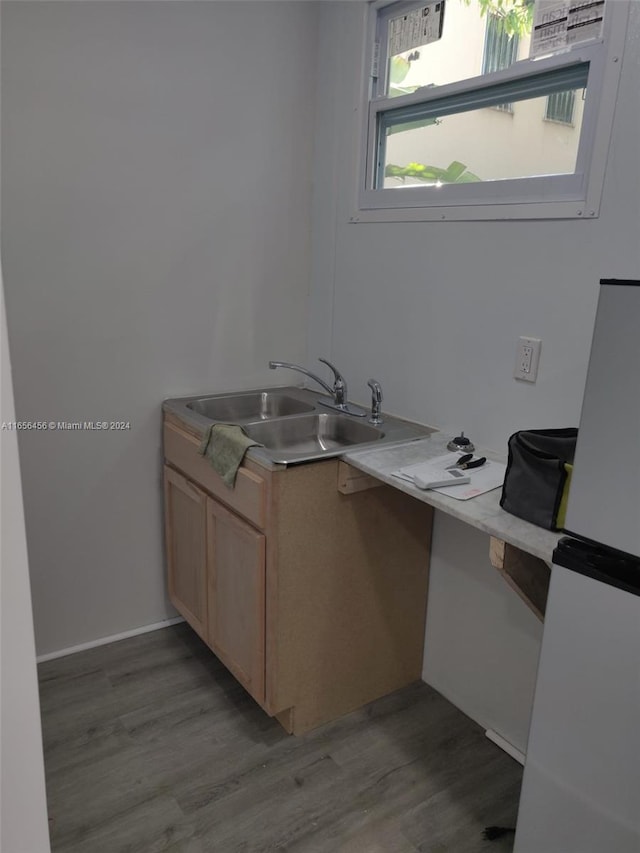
483	512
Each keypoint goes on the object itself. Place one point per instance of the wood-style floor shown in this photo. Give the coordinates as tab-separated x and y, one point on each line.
150	745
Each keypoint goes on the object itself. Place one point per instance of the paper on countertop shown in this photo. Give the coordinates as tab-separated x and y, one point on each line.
484	479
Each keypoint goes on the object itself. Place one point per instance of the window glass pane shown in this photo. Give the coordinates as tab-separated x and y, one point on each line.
478	145
500	50
500	46
560	107
471	44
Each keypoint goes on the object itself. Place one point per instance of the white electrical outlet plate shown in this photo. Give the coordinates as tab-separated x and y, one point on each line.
527	359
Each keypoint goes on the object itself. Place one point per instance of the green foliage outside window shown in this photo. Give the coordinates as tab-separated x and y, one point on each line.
517	15
455	173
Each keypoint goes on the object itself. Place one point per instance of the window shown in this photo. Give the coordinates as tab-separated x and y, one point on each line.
500	50
500	47
435	145
560	107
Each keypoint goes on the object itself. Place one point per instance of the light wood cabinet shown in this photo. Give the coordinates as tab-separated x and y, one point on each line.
235	596
216	577
311	592
185	538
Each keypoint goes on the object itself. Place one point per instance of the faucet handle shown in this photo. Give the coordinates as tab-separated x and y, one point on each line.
340	383
376	401
336	372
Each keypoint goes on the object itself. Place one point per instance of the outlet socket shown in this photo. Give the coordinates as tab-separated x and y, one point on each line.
527	359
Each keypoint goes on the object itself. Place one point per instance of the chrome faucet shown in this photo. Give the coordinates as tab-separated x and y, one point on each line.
338	391
376	402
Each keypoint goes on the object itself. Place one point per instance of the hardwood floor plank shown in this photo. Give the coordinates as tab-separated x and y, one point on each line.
70	704
94	741
153	825
84	795
151	745
268	812
376	836
454	816
186	845
112	653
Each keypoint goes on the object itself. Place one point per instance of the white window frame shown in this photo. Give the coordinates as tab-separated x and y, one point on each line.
574	195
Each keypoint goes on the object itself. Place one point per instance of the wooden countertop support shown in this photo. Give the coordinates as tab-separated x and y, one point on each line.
350	480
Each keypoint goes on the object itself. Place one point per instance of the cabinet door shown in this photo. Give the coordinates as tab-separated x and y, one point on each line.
236	596
186	530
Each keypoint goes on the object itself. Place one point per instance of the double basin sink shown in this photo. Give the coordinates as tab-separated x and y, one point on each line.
292	424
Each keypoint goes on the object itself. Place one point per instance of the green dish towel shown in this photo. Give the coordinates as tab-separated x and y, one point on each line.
224	445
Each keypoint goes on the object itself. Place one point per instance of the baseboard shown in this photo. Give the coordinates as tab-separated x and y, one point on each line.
504	744
103	641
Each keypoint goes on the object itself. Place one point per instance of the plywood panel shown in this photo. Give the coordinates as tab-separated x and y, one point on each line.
346	609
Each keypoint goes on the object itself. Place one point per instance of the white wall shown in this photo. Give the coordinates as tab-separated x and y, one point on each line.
433	311
24	826
23	808
156	204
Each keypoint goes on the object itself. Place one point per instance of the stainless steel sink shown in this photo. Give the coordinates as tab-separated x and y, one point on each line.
240	407
311	434
291	423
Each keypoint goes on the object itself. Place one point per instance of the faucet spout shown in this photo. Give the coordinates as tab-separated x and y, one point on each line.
289	366
338	392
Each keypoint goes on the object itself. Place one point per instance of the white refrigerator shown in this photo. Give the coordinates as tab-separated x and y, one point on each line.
581	783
